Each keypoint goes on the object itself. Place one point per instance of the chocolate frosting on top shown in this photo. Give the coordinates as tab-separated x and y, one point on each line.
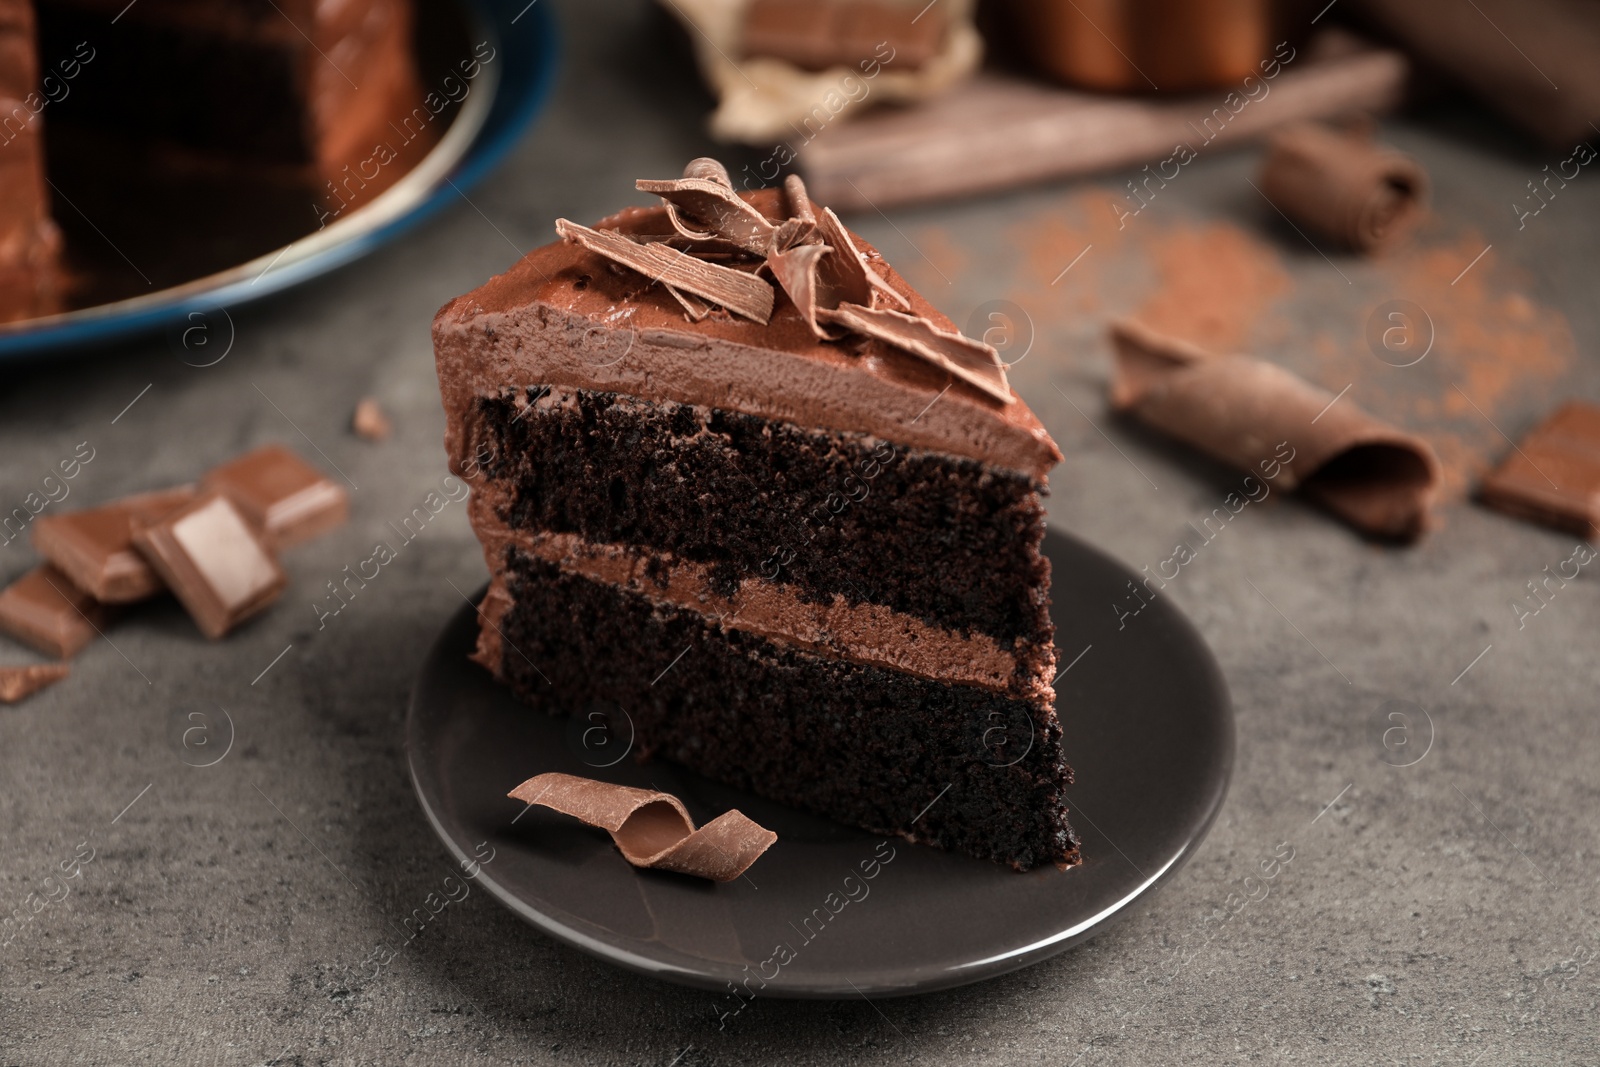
646	344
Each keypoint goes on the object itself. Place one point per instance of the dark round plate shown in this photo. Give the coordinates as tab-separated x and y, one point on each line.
506	97
1148	730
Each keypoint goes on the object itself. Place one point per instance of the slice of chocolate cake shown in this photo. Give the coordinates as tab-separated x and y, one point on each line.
738	484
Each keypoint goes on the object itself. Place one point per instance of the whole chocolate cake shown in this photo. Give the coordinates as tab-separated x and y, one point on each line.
737	483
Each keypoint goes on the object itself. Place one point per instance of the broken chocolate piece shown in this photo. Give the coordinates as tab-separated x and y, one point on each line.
214	561
281	494
741	293
1553	476
972	361
369	421
653	829
44	610
20	683
94	548
1340	184
1262	418
821	34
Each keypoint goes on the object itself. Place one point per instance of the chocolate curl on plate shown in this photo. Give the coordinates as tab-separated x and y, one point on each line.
972	361
1343	186
738	291
1260	417
653	829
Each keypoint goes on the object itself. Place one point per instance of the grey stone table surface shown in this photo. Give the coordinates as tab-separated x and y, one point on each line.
1441	912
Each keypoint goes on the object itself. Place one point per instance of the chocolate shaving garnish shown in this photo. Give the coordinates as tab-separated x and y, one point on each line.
702	208
693	306
653	829
972	361
849	274
810	255
1342	185
1553	476
741	293
709	169
796	270
794	190
19	683
1261	418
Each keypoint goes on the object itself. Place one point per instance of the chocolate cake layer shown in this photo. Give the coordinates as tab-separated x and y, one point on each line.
942	539
948	765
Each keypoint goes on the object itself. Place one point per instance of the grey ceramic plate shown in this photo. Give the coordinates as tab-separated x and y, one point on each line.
1148	729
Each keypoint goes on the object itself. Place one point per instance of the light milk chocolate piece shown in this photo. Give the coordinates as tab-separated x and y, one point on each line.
282	494
653	829
95	549
1553	477
20	683
1243	411
44	610
370	421
214	562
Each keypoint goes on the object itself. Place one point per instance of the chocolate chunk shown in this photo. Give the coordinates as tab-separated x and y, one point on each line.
1341	185
281	494
94	548
1553	477
370	422
653	829
44	610
20	683
820	34
214	561
1263	419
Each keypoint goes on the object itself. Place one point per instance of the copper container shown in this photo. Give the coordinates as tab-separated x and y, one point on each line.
1144	45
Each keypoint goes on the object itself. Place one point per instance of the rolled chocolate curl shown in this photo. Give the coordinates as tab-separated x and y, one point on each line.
1261	418
1341	185
653	829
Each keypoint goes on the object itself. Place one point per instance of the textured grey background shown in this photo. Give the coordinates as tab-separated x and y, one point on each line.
1442	913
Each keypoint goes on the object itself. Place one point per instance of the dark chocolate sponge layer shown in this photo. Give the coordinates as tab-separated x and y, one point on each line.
945	540
862	745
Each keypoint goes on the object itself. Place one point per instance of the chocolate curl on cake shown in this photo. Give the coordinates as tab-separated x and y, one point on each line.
1244	412
702	204
1343	186
972	361
740	292
653	829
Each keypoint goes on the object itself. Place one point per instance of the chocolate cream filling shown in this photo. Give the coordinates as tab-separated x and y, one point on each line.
863	633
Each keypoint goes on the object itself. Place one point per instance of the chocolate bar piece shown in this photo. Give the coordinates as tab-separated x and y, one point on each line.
20	683
283	495
94	548
214	561
820	34
1554	476
44	610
